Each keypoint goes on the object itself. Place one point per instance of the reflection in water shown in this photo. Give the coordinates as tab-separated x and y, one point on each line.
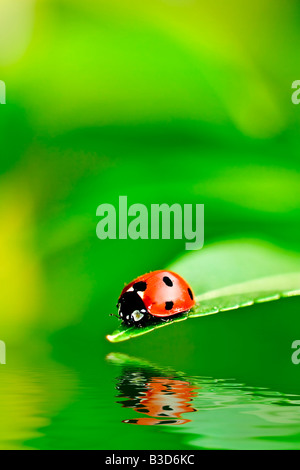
162	398
51	406
226	414
29	398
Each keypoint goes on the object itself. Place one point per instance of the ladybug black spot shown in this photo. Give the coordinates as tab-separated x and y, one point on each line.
167	421
169	305
190	293
140	286
167	281
167	408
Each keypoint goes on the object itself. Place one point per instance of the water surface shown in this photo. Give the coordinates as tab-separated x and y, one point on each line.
135	404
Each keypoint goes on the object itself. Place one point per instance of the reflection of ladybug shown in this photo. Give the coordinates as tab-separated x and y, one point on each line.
158	295
165	399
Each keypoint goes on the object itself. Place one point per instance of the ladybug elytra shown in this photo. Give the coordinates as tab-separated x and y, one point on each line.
159	295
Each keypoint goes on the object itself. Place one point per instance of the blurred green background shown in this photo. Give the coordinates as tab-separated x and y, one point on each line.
162	101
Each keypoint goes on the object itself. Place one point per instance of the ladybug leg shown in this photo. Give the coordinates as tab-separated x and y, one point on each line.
165	320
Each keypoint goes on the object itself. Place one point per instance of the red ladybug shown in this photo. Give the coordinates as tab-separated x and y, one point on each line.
156	296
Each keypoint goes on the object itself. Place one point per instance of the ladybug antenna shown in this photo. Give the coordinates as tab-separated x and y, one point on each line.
113	315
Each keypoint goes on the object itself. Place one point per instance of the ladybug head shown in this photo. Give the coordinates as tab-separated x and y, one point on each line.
131	309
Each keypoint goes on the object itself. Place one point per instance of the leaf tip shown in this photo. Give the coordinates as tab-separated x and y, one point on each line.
110	338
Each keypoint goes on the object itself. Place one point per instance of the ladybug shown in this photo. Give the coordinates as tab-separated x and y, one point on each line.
155	296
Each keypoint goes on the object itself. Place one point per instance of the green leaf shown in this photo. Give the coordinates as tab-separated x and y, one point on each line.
230	275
